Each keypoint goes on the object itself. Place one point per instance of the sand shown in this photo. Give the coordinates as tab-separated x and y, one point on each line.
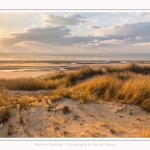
100	120
25	69
13	75
51	119
15	69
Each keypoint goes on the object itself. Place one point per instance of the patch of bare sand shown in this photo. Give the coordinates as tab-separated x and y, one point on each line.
11	70
15	75
69	118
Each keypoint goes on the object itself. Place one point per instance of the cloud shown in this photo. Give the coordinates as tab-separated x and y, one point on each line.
59	38
123	36
126	20
95	20
147	14
103	43
37	39
60	35
127	30
69	19
49	35
93	27
115	13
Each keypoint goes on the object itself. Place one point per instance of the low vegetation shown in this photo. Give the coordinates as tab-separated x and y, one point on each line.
128	83
145	134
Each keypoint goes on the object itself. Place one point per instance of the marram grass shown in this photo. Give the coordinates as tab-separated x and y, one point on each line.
128	83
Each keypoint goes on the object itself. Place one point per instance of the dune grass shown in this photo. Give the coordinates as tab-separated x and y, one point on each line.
134	90
127	83
145	134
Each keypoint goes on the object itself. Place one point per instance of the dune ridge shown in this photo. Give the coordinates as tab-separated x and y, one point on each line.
115	98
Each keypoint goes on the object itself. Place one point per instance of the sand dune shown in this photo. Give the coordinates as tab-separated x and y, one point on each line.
89	102
80	120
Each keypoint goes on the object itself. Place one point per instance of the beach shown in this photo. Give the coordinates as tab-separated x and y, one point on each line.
31	68
19	69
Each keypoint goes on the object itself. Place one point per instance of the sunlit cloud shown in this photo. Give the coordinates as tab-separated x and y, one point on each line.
89	35
126	20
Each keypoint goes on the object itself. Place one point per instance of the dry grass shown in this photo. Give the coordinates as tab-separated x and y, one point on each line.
128	83
30	84
53	81
145	134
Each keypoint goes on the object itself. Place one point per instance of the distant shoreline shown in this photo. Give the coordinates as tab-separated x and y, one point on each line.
71	61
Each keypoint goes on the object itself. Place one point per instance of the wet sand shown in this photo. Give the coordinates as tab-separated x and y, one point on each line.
19	69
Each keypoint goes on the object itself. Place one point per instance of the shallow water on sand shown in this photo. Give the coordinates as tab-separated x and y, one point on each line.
11	62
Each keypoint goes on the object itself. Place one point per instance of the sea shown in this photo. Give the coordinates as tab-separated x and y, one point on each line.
76	56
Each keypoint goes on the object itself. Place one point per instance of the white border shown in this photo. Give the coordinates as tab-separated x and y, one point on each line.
73	10
75	4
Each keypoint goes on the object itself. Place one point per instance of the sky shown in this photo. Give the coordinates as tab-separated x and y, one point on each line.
74	32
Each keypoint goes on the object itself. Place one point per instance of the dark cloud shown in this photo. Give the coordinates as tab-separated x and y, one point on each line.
128	31
69	19
59	36
50	35
121	34
93	27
